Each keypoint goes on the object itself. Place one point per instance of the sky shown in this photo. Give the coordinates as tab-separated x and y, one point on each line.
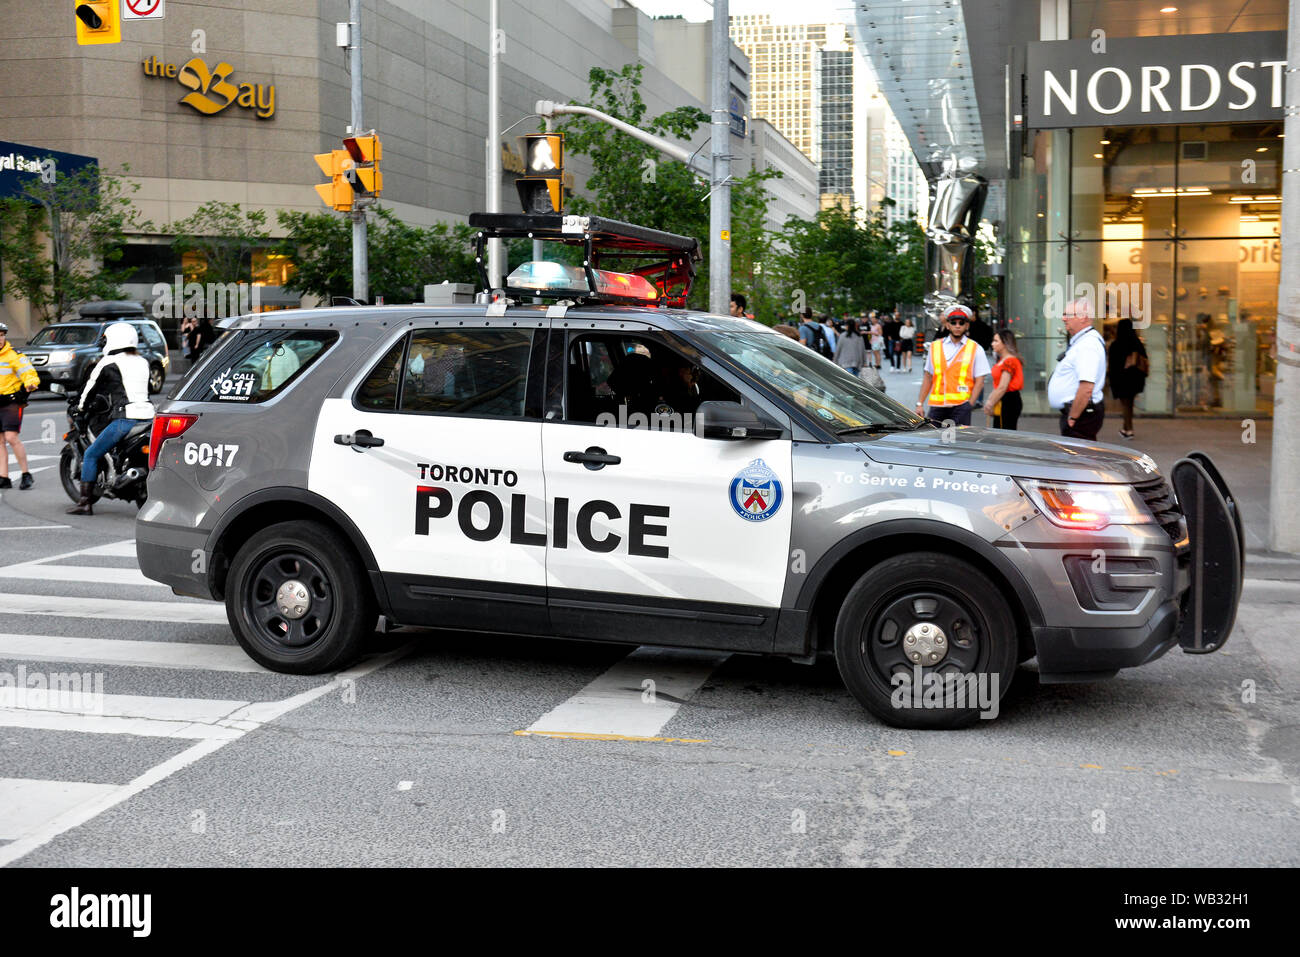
804	11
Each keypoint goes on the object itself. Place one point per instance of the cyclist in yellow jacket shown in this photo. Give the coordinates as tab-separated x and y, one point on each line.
955	369
17	378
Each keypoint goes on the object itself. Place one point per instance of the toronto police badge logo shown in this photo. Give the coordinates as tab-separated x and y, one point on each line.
755	492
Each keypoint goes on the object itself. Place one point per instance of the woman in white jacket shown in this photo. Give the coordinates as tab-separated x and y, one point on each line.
123	376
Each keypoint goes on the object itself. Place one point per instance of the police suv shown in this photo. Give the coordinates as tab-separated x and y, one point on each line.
608	467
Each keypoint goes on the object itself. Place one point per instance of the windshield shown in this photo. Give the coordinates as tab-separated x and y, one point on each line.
840	400
65	336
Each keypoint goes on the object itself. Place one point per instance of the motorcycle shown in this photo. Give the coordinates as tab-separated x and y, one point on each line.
122	470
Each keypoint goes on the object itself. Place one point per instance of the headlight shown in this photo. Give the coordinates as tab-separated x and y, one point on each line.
61	357
1083	505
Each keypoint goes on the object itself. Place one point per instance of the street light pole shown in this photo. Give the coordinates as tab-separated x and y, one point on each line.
360	261
720	197
494	137
1284	491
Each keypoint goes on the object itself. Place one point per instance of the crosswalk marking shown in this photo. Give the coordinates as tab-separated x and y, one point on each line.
122	549
143	654
618	705
199	613
87	574
28	802
143	715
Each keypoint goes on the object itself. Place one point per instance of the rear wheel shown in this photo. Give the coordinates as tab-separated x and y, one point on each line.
298	601
926	641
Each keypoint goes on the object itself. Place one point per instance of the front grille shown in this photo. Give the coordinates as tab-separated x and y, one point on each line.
38	360
1159	497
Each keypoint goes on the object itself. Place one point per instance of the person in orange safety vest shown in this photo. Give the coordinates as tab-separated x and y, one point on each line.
955	369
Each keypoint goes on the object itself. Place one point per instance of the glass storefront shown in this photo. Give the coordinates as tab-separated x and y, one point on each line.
1176	227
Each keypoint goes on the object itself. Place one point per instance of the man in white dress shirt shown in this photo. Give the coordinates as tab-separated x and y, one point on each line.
1077	382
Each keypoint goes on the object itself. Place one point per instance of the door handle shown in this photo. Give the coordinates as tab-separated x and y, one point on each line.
594	458
362	439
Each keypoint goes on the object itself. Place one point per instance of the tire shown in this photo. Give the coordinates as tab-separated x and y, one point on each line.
157	376
70	476
898	600
341	610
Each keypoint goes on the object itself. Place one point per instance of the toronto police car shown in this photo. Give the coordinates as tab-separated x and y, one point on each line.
608	467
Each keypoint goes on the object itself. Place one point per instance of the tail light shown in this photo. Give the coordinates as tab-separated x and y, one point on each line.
166	427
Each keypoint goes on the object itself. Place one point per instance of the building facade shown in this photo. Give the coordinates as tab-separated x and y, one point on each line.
231	100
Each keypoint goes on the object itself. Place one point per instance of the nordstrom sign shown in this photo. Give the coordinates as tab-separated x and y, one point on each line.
1197	78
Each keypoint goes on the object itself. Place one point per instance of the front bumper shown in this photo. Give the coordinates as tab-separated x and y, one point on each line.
1089	654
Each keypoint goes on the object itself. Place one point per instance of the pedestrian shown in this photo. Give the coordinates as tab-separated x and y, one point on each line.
202	336
877	341
832	337
813	335
1079	379
122	375
184	333
907	337
850	354
1129	365
17	380
893	344
955	368
1005	404
786	329
738	306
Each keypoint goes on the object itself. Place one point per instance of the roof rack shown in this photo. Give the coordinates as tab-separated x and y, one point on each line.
671	269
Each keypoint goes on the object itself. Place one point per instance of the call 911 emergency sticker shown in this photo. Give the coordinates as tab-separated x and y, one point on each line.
230	386
756	492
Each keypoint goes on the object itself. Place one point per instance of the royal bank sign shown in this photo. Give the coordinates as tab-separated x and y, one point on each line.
1147	81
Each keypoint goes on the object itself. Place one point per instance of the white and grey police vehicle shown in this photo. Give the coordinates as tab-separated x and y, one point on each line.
610	466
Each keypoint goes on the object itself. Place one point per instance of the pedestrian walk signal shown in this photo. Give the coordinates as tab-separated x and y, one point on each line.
541	189
364	177
98	21
337	193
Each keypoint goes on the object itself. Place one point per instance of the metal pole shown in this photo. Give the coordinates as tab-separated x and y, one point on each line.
360	262
1284	517
720	199
494	137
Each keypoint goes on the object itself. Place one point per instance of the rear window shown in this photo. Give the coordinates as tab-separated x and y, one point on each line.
258	365
65	336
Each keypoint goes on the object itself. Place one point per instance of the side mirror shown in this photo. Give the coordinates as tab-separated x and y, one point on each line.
731	420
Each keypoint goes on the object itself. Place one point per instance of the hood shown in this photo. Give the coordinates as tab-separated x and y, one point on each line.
1027	454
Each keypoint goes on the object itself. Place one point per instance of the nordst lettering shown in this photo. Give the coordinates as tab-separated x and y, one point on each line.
1190	88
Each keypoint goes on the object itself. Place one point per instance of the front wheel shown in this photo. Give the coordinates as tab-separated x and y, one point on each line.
156	378
297	601
926	641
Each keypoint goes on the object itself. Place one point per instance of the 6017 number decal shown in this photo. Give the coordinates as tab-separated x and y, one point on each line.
202	453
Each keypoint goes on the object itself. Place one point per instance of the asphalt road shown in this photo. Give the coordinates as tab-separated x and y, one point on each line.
198	757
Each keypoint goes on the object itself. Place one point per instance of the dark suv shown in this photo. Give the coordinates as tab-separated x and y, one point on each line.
65	352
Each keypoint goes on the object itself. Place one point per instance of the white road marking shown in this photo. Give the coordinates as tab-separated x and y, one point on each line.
618	704
141	654
199	613
143	715
123	549
85	574
29	802
42	832
31	528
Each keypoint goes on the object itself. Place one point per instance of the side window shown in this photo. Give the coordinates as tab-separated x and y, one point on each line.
150	336
466	372
259	365
635	382
379	392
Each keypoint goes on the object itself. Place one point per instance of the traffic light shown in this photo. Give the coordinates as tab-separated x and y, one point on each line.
337	193
364	176
98	21
541	189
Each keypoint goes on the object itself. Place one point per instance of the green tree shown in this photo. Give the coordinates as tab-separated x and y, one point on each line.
220	239
59	240
403	258
632	182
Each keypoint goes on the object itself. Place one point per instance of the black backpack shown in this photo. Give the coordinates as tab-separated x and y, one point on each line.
821	343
